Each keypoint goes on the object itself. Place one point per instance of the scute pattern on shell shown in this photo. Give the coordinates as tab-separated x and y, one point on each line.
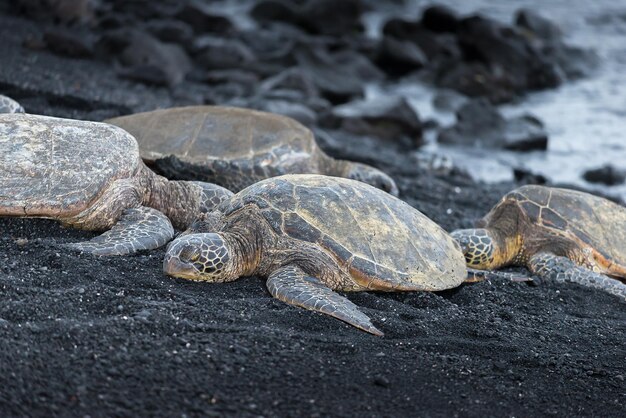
370	231
56	167
229	146
596	221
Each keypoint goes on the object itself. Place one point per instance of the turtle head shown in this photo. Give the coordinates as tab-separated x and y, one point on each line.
478	247
205	257
372	176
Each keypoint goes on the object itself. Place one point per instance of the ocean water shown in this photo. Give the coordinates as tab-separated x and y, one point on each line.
585	119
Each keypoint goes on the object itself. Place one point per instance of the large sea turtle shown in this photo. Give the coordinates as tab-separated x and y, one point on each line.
89	175
558	234
312	234
235	147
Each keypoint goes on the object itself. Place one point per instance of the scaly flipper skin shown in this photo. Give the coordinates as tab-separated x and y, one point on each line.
291	285
137	229
562	269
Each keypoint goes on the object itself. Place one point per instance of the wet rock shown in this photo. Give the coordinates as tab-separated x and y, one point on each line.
480	124
214	52
476	80
608	174
326	17
144	58
440	19
202	19
331	17
274	10
338	81
388	118
399	57
504	49
366	149
435	46
170	30
525	176
537	25
449	100
247	78
291	79
60	11
273	45
69	43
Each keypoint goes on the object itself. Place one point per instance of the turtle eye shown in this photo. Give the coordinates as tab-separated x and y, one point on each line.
190	254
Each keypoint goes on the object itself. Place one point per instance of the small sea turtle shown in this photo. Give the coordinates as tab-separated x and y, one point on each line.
236	147
557	234
8	105
89	175
312	234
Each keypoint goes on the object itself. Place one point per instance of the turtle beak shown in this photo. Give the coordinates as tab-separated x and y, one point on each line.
172	266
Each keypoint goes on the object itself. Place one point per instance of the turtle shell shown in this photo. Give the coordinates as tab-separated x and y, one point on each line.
249	143
371	233
54	167
580	216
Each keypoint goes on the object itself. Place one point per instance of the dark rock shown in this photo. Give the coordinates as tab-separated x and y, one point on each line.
524	176
292	79
505	50
331	17
480	124
440	19
272	10
170	30
325	17
537	25
59	11
244	77
608	174
388	118
363	148
476	80
449	100
435	46
573	61
214	52
338	83
274	45
202	19
69	43
399	57
144	57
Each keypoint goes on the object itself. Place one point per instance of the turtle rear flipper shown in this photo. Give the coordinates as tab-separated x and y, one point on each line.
137	229
291	285
562	269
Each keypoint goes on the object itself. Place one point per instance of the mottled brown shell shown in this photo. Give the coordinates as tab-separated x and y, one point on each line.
369	231
58	167
204	134
579	216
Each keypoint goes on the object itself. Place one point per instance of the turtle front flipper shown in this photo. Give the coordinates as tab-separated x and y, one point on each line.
562	269
291	285
137	229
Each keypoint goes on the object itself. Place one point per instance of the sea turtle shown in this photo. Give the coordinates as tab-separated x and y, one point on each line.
8	105
235	147
312	234
558	234
89	175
